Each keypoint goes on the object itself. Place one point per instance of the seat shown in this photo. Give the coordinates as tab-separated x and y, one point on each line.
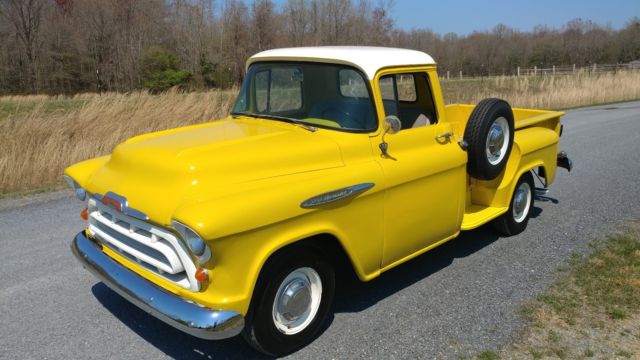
414	117
422	120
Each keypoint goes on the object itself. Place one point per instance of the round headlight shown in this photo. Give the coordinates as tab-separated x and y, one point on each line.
81	194
195	243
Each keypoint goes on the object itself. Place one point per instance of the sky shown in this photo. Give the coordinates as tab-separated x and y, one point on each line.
465	16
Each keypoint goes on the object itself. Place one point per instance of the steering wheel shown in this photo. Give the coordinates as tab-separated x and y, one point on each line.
345	119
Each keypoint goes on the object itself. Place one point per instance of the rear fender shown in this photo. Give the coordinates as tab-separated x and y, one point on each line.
533	147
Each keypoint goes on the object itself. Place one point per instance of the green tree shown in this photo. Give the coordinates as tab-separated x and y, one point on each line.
162	70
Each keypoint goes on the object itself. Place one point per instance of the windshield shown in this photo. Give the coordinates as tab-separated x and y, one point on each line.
324	95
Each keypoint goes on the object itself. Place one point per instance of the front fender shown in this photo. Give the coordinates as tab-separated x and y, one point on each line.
82	171
249	206
244	228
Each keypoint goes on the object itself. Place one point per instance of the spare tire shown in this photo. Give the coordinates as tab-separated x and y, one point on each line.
489	138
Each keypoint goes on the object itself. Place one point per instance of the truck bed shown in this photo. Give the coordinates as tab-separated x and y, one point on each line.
535	145
458	114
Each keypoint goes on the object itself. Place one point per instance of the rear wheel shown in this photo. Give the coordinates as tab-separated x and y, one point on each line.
516	219
292	302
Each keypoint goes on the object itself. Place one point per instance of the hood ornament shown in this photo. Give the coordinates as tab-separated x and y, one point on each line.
120	204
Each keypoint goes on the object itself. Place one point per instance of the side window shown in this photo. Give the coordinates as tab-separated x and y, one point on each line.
386	88
406	88
388	93
352	84
279	89
408	96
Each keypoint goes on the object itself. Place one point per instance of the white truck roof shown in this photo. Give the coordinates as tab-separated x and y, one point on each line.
366	58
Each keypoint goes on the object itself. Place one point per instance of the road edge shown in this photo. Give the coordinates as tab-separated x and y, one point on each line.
19	201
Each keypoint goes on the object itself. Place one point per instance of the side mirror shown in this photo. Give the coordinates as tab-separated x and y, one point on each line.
393	124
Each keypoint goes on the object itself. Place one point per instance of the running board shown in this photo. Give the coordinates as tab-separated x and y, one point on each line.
476	216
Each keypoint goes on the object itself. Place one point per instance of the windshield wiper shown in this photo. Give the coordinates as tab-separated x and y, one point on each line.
279	118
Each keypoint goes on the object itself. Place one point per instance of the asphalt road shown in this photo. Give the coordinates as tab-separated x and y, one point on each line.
458	299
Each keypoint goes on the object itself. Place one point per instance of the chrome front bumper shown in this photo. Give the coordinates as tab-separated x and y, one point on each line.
173	310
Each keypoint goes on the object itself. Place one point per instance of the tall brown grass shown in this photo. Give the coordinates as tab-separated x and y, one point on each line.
37	141
41	135
547	92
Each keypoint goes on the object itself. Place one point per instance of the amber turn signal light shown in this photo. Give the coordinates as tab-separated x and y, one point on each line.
84	214
202	275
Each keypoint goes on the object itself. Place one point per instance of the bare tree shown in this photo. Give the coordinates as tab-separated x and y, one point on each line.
296	20
263	29
26	16
236	36
68	46
336	16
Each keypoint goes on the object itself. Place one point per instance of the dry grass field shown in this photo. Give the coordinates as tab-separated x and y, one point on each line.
41	135
547	92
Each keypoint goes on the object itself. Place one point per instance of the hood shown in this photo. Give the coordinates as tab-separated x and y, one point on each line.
159	171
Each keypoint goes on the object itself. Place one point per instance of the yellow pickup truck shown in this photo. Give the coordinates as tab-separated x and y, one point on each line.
333	159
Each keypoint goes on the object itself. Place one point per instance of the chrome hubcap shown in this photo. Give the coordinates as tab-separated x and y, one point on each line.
497	141
521	202
297	301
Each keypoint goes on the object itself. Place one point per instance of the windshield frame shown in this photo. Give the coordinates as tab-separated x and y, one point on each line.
366	80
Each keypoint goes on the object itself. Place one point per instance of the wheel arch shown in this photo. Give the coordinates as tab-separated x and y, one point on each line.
498	192
507	194
326	242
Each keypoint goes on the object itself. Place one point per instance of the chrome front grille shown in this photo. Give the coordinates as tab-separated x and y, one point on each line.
153	247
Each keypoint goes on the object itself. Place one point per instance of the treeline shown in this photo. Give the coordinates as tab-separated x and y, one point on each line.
70	46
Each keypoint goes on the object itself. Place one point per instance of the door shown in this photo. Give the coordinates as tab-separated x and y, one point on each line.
425	172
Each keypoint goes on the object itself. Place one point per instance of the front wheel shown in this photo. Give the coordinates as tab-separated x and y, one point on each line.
292	302
516	219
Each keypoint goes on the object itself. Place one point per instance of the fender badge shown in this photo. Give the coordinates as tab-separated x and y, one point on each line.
336	195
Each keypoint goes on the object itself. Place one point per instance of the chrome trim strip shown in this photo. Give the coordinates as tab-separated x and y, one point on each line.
336	195
135	213
180	313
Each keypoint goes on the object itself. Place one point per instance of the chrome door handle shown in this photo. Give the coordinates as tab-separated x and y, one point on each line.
446	136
